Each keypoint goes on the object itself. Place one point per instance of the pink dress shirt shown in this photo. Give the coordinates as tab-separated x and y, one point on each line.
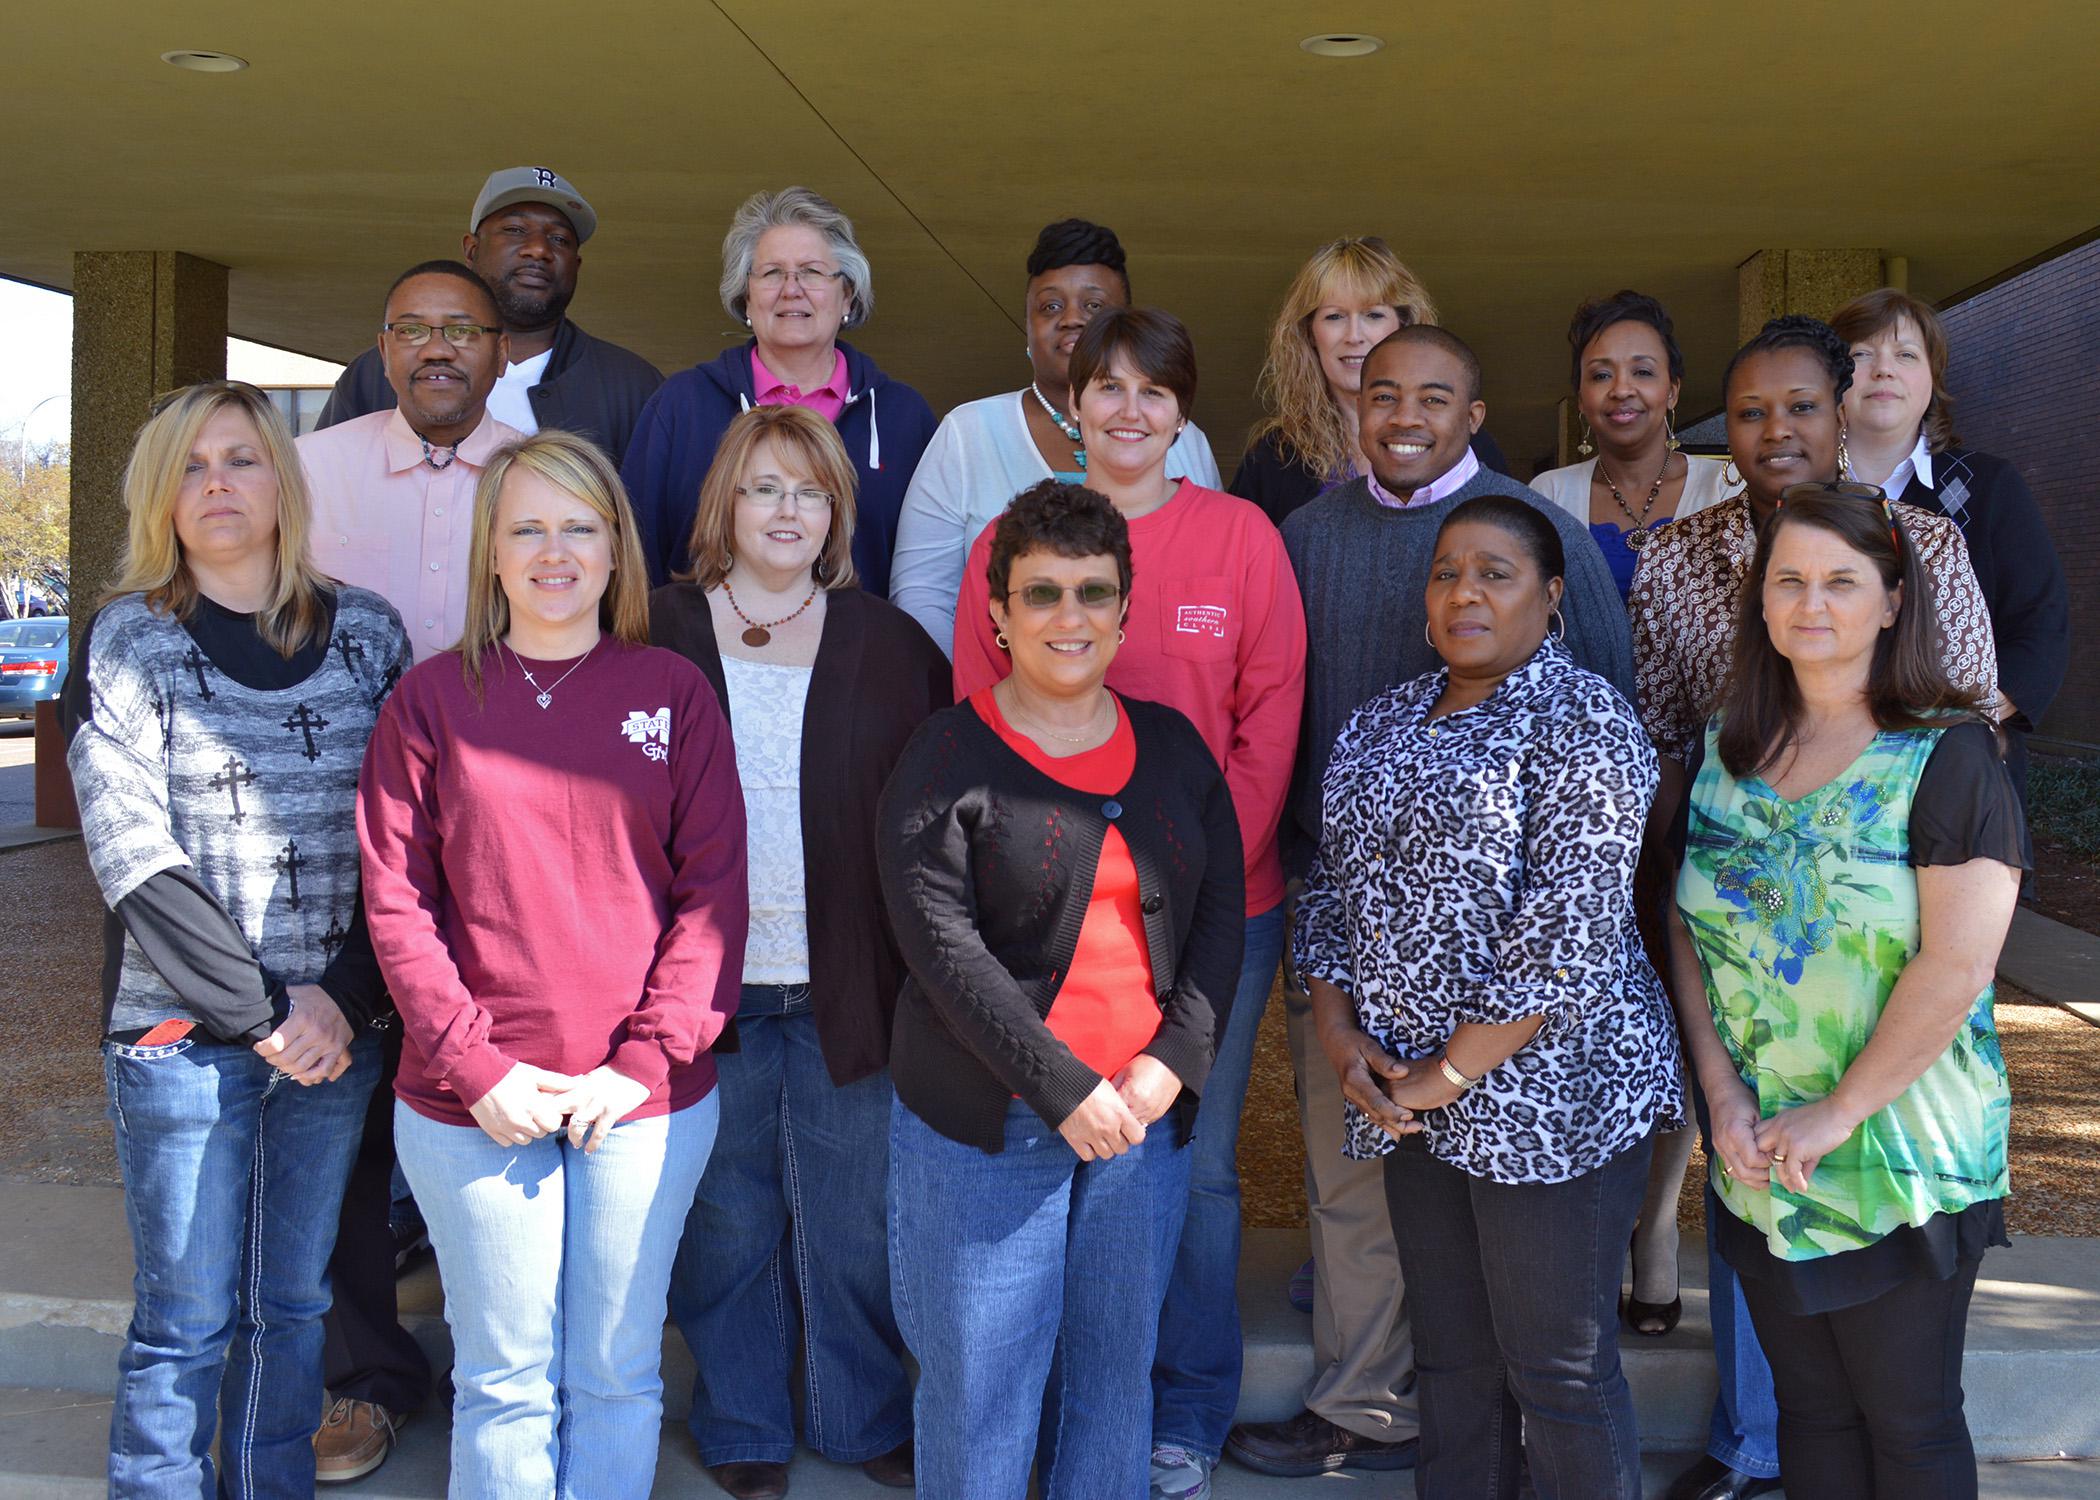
384	520
827	400
1454	479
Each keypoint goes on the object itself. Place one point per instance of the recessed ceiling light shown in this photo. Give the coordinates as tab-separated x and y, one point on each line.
1342	44
204	62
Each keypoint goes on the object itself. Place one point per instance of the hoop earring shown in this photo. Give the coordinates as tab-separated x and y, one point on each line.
1121	635
1428	639
1585	447
1670	426
1844	457
1560	620
1730	479
1004	644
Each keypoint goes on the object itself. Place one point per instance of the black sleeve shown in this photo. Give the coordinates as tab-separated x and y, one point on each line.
360	390
352	979
1490	454
73	707
195	946
2030	604
1965	807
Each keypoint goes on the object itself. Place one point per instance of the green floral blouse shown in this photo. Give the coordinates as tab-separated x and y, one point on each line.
1804	913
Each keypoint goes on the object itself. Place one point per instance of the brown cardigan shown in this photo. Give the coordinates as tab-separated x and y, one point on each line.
878	676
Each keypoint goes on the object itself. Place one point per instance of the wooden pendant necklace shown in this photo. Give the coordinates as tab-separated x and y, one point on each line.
758	633
1637	535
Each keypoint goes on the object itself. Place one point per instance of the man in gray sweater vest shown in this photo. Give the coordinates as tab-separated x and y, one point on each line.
1362	553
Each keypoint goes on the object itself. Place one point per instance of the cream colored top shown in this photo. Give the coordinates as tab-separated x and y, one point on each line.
1569	488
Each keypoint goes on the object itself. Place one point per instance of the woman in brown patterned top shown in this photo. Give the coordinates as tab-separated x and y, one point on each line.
1784	394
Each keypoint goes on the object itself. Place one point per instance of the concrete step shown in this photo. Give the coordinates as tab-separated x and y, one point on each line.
2033	1350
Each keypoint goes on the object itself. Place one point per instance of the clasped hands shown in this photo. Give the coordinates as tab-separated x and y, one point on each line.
1391	1093
1787	1147
528	1103
1112	1119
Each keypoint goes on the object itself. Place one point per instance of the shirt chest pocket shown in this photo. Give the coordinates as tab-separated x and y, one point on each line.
1199	618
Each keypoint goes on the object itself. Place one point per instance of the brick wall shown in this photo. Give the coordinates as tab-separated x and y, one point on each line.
2025	373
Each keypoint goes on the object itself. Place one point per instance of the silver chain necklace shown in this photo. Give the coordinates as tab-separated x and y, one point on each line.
546	694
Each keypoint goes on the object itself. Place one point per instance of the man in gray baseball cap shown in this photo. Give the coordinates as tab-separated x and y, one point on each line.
525	236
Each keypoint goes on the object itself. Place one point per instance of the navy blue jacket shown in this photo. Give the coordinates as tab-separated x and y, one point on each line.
885	426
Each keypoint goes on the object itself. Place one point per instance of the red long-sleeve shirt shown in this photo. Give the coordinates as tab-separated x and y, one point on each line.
1216	629
561	886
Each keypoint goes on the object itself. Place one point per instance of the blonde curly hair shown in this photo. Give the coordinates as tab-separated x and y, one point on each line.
1293	389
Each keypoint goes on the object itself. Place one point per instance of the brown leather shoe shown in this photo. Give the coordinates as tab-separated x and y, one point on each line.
893	1468
1309	1444
355	1438
752	1481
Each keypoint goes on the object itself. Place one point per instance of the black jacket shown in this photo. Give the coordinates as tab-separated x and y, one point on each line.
987	869
590	387
877	677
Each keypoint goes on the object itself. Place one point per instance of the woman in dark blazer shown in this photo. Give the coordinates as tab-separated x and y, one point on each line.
1062	865
1899	420
824	685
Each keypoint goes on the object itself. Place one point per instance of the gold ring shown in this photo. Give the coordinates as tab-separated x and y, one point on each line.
1779	1156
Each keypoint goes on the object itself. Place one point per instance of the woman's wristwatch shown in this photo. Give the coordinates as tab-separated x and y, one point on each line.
1452	1076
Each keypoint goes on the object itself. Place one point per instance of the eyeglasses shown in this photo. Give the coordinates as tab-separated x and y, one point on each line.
769	495
1095	595
1850	489
809	278
416	335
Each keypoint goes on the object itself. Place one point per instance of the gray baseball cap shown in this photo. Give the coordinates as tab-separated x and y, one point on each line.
534	185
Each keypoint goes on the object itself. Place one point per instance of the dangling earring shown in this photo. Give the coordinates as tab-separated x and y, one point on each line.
1585	447
1844	458
1730	479
1671	428
1004	645
1560	620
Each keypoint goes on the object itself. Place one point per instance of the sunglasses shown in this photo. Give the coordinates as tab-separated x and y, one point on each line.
1849	489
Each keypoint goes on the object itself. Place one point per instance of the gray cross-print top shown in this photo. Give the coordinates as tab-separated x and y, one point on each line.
254	791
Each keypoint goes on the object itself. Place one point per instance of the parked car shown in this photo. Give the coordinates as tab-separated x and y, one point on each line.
33	656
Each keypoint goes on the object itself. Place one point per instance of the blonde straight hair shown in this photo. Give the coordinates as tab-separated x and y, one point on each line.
807	437
152	563
578	467
1293	389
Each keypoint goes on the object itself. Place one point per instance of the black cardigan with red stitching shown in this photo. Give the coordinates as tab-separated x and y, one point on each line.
987	869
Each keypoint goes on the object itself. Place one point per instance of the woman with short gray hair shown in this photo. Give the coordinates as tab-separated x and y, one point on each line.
794	273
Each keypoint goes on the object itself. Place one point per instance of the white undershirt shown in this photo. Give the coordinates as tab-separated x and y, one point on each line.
509	401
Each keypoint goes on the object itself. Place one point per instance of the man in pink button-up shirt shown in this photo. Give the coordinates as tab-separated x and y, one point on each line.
393	491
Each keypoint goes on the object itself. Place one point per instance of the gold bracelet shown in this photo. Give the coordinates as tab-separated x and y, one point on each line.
1457	1079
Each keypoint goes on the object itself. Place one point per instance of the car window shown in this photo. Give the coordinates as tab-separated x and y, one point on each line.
9	629
41	632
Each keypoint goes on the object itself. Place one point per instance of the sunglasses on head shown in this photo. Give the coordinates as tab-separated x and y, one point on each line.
1849	489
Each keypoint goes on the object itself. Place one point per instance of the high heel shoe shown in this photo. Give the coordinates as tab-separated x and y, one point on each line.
1638	1313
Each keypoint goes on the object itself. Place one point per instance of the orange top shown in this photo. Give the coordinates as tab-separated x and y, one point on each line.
1105	1010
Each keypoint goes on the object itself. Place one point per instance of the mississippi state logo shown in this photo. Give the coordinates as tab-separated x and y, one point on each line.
543	177
651	731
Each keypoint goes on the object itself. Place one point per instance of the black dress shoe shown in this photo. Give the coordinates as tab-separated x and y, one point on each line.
893	1468
1710	1479
752	1481
1309	1444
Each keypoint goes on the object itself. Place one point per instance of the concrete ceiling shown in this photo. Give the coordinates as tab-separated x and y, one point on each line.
1519	156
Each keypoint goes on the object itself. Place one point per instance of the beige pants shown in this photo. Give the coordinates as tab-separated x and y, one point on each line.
1363	1358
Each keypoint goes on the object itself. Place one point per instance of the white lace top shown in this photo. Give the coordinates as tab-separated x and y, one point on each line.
765	715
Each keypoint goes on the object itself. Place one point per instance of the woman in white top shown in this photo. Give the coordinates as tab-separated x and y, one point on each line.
823	684
989	450
1628	371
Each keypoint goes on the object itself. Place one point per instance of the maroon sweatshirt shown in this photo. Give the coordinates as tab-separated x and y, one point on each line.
560	886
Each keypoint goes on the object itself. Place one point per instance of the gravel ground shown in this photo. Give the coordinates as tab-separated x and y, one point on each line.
52	1127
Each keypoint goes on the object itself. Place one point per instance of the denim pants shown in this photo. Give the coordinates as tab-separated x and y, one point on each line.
1196	1369
1744	1432
1028	1285
555	1264
1513	1291
233	1178
791	1216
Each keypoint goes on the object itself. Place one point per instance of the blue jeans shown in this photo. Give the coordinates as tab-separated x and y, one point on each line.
233	1179
1196	1370
1028	1285
1513	1293
1744	1433
555	1264
792	1203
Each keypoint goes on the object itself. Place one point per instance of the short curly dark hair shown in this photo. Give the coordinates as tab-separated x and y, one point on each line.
1794	331
1600	313
1078	242
1068	520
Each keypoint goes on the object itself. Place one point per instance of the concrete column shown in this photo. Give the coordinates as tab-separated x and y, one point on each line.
1773	283
144	322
